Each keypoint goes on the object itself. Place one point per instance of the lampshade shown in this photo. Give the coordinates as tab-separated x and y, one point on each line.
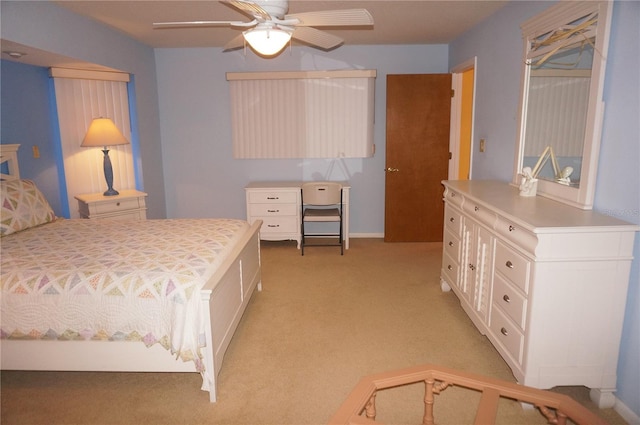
266	39
103	132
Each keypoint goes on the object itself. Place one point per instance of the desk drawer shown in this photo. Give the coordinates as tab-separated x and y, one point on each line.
268	210
273	197
273	225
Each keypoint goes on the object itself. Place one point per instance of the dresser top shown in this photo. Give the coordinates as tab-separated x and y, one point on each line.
535	212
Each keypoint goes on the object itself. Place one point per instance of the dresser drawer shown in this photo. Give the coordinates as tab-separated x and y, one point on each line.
507	334
273	197
452	220
273	225
513	266
451	244
267	210
510	301
450	269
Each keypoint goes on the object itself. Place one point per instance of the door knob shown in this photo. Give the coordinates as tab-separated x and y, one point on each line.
391	170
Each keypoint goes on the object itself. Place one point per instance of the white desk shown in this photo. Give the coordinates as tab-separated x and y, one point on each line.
277	204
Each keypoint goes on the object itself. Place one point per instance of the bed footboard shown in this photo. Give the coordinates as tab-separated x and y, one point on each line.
226	297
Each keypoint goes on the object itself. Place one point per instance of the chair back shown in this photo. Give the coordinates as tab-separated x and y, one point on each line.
322	193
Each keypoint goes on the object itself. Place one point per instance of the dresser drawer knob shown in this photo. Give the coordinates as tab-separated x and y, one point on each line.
451	219
476	208
509	264
450	243
472	267
449	267
511	228
504	332
506	298
117	204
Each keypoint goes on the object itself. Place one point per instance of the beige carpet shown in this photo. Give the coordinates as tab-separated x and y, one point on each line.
321	323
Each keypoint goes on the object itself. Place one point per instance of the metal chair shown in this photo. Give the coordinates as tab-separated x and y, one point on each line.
321	202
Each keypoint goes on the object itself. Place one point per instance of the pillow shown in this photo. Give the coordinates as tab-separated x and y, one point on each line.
22	206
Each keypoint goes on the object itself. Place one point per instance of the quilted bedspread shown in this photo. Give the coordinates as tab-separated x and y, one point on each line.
113	280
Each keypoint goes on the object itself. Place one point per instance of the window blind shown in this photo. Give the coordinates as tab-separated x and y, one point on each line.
317	114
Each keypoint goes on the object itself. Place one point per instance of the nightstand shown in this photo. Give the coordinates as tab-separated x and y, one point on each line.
128	205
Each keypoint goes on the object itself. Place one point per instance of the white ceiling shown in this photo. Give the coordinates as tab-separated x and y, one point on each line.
395	21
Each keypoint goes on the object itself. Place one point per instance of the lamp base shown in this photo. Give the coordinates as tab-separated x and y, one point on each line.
111	192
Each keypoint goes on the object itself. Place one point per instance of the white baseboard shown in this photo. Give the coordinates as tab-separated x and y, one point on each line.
627	414
366	235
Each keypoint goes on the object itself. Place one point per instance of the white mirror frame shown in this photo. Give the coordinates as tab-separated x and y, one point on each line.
555	17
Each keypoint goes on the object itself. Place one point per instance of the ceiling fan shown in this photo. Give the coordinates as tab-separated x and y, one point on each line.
272	28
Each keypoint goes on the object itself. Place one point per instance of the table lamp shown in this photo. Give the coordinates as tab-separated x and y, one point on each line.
102	133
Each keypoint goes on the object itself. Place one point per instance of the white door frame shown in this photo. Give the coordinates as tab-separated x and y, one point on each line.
456	112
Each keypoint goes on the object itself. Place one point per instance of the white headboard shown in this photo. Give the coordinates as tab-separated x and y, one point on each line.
9	155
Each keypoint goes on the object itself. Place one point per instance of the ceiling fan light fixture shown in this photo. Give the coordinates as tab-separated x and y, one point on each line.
267	40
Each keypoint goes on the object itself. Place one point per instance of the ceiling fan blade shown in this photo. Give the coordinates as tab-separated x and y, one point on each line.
251	8
235	43
333	18
317	38
187	24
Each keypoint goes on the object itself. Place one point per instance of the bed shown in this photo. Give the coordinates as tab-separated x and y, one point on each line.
101	295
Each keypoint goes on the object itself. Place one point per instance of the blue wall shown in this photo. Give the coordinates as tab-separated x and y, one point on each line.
184	119
497	42
26	120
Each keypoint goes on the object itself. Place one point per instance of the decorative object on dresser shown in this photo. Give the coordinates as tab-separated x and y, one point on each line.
128	205
102	133
321	203
278	206
544	281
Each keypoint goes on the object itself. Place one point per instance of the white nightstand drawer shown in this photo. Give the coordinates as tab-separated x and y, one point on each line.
275	197
273	209
509	300
120	205
278	224
513	266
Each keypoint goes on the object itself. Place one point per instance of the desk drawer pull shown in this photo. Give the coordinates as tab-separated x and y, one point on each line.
504	332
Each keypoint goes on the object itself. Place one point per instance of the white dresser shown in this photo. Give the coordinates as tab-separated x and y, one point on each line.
545	282
128	205
277	204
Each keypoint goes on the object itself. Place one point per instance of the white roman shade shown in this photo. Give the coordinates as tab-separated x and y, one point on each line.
316	114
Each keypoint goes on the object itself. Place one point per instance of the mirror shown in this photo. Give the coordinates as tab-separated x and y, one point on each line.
561	101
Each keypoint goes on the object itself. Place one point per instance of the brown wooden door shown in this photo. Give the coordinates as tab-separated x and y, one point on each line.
417	155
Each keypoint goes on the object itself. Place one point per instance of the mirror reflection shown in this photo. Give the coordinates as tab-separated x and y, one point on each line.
556	118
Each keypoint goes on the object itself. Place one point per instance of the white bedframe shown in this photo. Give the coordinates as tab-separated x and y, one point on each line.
224	297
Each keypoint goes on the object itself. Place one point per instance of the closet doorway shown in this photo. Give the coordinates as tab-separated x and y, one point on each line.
417	156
